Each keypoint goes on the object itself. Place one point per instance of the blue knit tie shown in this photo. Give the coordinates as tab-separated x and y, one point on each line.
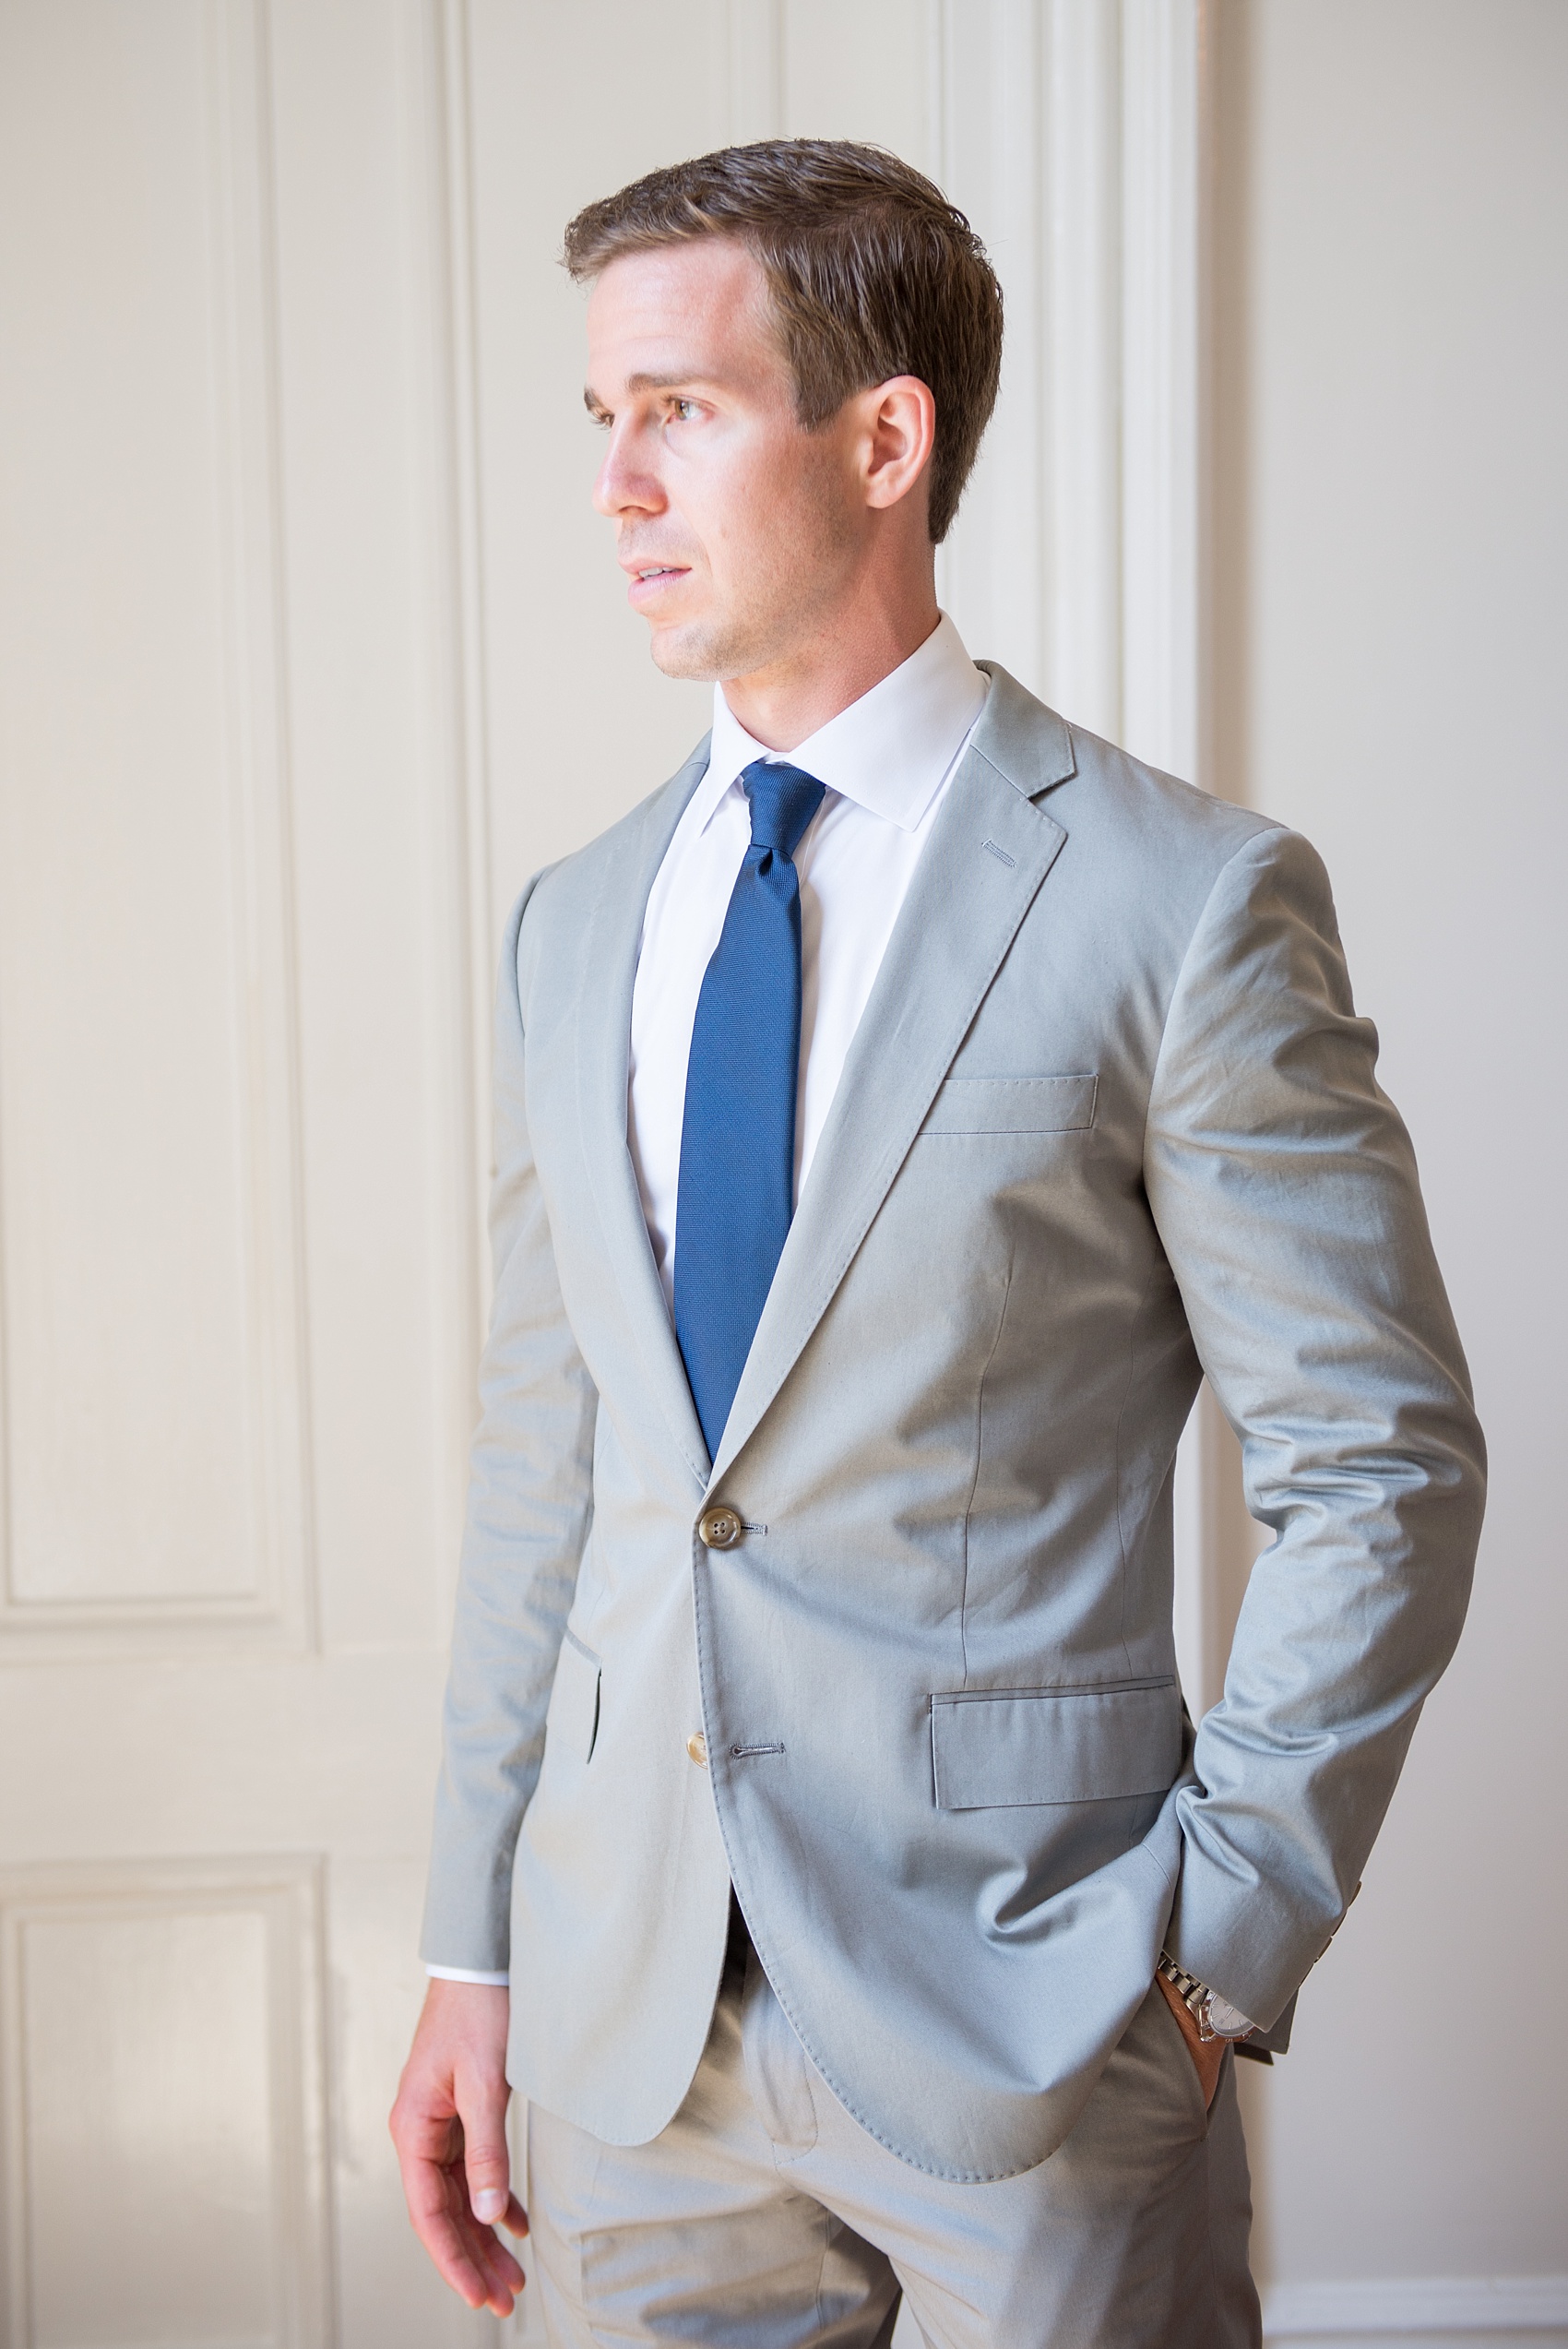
737	1187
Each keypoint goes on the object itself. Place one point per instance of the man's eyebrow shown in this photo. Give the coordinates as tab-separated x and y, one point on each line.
644	381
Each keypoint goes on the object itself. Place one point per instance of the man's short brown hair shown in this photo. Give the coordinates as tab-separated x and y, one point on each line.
872	273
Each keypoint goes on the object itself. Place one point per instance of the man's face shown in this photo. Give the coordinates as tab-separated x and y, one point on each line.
738	530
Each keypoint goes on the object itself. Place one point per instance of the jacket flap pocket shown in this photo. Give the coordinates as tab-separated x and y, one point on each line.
572	1722
1013	1105
1015	1746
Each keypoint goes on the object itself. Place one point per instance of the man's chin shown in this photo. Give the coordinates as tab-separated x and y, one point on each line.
690	652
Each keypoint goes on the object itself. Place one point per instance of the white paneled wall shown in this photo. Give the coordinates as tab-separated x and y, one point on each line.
310	650
239	1141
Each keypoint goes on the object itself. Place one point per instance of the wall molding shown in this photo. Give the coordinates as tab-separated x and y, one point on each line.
1162	139
248	308
987	61
1380	2308
463	946
1074	133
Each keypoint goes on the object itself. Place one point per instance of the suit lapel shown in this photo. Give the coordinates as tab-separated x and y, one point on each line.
604	1060
990	850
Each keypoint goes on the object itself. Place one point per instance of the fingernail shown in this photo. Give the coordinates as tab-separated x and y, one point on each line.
490	2205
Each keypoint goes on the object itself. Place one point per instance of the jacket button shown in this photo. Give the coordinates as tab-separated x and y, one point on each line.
697	1745
720	1528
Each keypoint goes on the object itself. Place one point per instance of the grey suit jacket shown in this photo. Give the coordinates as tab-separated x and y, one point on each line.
1109	1120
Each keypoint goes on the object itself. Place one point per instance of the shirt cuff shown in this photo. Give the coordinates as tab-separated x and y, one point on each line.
460	1973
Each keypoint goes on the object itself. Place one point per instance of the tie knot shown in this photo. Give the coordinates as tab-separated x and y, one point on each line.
784	799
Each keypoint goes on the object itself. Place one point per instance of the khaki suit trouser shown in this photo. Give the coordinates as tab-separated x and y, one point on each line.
765	2217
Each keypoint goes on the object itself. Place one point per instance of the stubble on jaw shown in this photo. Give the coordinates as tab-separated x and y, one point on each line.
807	546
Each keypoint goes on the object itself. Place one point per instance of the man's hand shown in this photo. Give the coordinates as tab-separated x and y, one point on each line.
1207	2053
449	2126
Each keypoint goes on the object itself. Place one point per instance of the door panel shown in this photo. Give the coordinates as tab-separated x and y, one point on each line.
239	1149
148	1215
163	2025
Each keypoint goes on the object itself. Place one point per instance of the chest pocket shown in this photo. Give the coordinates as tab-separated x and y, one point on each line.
1013	1105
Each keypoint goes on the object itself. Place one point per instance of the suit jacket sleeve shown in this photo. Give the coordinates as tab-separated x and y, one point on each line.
1285	1190
531	1488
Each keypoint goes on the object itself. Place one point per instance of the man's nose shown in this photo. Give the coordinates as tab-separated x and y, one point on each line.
623	486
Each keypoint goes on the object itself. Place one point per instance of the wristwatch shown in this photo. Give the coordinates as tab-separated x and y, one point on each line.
1216	2017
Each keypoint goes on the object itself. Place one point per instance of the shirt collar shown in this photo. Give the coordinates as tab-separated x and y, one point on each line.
888	752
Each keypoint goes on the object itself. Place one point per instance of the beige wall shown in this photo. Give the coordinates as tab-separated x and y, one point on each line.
1392	625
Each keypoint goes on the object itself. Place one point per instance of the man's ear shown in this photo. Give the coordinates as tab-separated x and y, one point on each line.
898	434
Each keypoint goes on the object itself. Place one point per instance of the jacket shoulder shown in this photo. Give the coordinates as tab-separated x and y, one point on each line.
1105	799
1110	788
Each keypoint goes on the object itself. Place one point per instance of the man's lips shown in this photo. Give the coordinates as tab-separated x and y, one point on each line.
648	578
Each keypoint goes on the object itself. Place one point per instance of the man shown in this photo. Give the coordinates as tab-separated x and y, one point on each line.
896	1114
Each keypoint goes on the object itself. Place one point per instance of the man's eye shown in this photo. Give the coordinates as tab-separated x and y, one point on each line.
683	411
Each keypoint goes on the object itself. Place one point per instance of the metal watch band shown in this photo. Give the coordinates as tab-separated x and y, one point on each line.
1195	1996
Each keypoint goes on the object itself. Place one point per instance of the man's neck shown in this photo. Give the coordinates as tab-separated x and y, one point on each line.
781	706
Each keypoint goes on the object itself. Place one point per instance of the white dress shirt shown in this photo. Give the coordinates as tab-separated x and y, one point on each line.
886	762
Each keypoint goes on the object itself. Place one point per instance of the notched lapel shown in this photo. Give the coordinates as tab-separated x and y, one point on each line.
989	851
603	1058
1024	740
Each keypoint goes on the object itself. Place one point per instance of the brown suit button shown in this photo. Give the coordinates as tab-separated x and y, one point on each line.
720	1528
697	1745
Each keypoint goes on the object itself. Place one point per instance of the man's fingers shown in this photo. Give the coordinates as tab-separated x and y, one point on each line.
500	2278
478	2267
481	2108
